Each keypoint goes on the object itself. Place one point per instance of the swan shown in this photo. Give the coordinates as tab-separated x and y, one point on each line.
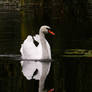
30	52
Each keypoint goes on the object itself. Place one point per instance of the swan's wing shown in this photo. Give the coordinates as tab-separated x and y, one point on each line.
37	38
29	50
25	47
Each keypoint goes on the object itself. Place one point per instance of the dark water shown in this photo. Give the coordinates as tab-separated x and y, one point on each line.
73	30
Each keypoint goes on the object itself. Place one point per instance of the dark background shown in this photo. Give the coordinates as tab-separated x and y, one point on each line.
71	21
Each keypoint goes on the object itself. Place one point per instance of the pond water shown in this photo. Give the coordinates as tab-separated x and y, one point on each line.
13	30
67	74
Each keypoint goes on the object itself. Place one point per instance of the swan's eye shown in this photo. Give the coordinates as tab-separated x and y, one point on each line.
48	28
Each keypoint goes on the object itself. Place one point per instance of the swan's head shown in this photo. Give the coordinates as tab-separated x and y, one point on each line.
46	29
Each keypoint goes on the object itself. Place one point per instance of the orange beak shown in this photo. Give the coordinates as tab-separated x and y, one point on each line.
51	32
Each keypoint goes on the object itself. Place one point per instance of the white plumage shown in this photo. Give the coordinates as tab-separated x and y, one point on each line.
42	51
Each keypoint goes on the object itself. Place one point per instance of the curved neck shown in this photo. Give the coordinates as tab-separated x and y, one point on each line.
44	46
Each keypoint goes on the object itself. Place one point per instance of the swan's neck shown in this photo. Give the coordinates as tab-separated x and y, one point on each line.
45	54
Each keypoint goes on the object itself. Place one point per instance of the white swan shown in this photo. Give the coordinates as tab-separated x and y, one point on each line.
42	51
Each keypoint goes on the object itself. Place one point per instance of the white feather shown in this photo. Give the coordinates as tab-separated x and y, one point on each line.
30	51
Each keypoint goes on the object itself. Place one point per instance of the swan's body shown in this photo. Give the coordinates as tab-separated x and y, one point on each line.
42	51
